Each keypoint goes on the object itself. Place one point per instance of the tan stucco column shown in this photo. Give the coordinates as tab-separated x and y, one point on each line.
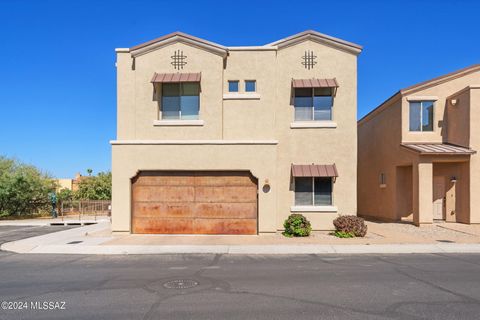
422	192
474	181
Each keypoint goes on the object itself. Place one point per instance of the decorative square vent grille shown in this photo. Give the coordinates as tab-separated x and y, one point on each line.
178	60
309	59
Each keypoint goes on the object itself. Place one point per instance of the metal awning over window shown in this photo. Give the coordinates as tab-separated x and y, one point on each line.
438	149
316	83
175	77
314	170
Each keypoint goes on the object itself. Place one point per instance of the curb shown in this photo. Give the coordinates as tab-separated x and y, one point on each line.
242	249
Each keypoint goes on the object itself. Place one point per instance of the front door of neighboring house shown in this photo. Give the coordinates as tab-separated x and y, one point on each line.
438	198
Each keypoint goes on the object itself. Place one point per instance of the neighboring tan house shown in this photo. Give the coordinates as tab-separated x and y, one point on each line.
417	152
64	183
70	184
232	140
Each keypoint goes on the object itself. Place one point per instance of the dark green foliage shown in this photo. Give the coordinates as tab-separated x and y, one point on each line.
65	195
297	225
343	234
23	188
350	224
97	187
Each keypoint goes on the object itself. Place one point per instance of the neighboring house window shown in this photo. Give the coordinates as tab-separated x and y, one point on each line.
232	86
421	116
382	179
313	104
180	101
315	191
250	85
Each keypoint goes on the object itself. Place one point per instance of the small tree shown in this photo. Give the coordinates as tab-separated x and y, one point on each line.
95	187
89	171
64	195
23	188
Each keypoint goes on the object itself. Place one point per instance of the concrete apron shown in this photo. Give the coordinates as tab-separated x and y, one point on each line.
76	241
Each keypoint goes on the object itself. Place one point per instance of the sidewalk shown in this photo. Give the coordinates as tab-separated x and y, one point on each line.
47	221
381	238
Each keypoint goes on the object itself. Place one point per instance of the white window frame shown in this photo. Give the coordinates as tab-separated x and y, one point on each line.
161	121
313	193
313	108
421	115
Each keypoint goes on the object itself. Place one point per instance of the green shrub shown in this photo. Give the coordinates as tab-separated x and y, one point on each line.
23	188
297	225
97	187
350	224
343	234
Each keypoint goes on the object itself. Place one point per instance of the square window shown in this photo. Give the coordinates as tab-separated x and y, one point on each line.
313	191
233	86
180	101
250	85
421	116
313	104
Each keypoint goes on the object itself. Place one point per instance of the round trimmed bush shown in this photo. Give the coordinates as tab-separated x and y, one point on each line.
352	225
297	225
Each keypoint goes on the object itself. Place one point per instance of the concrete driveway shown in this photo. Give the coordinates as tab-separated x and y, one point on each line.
10	233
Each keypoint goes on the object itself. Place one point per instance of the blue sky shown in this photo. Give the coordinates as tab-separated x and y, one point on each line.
57	83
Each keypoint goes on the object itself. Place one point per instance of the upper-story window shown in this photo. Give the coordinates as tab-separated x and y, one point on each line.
180	101
250	85
233	86
421	116
313	104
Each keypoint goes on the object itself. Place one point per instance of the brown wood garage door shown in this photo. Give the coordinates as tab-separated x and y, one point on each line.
194	202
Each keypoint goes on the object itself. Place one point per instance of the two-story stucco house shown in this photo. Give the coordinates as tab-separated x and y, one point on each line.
231	140
417	152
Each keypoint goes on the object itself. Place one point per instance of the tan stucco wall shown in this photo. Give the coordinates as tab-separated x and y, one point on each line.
378	148
64	184
250	119
475	160
380	135
458	119
266	118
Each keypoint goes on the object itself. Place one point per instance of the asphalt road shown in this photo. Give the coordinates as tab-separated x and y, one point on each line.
429	286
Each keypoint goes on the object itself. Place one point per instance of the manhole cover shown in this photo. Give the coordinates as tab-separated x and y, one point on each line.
180	284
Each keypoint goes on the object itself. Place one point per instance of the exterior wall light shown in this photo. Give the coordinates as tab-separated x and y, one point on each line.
266	186
453	179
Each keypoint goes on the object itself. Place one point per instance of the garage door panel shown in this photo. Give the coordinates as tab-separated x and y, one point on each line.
225	194
163	210
240	194
239	180
225	226
163	193
223	179
189	202
226	210
168	179
163	225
